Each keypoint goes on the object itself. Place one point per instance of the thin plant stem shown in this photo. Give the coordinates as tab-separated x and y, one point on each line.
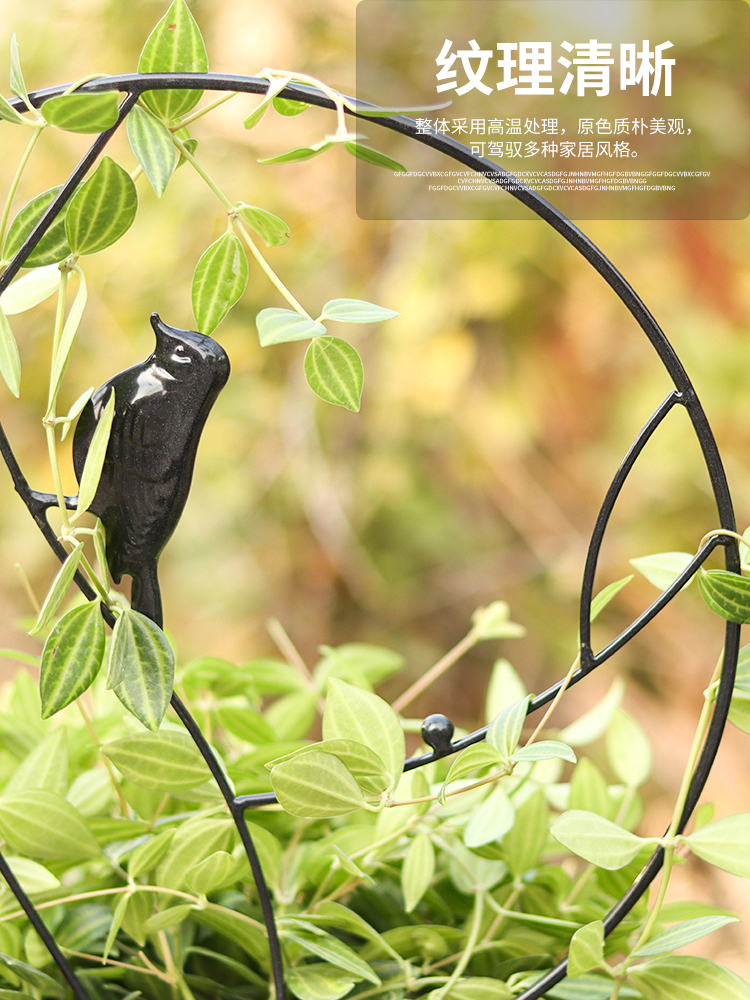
501	913
721	533
470	945
202	173
237	222
456	791
124	809
443	664
288	650
29	590
49	425
330	93
268	270
183	123
96	894
97	583
700	733
17	180
167	956
556	700
150	970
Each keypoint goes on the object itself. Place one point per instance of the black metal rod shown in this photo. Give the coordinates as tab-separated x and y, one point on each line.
64	194
41	928
587	587
698	783
136	84
274	945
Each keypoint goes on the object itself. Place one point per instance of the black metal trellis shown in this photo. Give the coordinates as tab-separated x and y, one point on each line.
134	85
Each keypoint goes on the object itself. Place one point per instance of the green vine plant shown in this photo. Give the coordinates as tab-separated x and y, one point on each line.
140	663
465	879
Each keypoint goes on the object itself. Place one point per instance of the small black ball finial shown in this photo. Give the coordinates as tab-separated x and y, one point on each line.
437	732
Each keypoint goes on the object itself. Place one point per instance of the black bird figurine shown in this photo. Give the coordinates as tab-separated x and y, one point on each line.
161	406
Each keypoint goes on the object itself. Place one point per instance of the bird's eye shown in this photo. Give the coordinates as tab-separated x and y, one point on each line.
179	355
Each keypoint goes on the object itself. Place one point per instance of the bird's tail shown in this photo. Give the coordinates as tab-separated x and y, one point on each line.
145	595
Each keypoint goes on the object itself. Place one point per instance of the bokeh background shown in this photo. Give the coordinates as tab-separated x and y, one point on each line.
496	409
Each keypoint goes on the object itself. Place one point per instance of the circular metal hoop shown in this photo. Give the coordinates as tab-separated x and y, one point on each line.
134	85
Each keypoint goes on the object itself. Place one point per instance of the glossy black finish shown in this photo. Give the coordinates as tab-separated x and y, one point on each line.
135	84
161	406
437	732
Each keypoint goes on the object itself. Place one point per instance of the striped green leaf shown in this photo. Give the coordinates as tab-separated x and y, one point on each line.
44	825
28	974
141	668
170	917
492	820
527	838
316	785
33	878
724	843
148	855
58	590
586	949
175	45
289	108
210	873
545	750
160	762
370	155
193	841
597	840
476	988
73	321
241	930
605	595
687	977
334	372
53	246
102	210
353	714
47	766
504	731
332	950
272	230
417	871
727	594
471	759
356	311
92	467
298	153
281	326
10	359
117	918
219	280
663	568
9	114
319	981
30	289
152	145
17	82
683	933
274	87
85	113
365	765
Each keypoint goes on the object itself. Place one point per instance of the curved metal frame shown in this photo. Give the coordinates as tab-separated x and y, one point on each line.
134	85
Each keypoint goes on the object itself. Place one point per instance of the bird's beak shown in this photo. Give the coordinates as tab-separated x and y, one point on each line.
159	326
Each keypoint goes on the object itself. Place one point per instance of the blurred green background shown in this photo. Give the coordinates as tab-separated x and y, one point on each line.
496	408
